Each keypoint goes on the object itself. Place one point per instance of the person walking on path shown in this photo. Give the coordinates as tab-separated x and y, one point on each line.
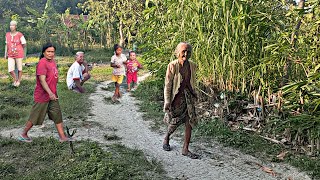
15	51
179	97
78	73
45	95
133	67
118	60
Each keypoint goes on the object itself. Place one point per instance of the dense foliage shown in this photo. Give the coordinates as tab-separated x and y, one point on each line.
22	7
115	19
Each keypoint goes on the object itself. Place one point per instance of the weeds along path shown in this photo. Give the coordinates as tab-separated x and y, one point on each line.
122	123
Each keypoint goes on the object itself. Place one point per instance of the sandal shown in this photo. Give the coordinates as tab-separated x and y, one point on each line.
166	147
191	155
22	139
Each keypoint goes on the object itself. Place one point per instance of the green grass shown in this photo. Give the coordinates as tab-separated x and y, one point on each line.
75	105
150	95
101	73
253	144
246	142
15	103
99	55
48	159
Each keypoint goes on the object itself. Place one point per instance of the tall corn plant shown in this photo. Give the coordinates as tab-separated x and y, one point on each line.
227	37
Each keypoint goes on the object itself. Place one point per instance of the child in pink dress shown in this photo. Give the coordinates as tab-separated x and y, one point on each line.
133	66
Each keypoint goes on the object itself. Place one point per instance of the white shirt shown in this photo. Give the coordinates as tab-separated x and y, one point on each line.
74	73
118	60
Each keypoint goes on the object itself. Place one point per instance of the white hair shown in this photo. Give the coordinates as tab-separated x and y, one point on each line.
79	52
189	47
13	23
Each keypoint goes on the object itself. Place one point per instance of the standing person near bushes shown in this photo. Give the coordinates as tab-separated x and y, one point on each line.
118	62
15	51
45	96
179	97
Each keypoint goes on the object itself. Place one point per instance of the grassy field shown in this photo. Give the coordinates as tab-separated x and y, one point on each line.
46	158
150	93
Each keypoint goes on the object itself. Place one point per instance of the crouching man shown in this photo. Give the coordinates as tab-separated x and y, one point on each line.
78	73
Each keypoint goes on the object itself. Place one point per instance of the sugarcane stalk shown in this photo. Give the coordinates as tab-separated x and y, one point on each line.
318	145
312	147
262	108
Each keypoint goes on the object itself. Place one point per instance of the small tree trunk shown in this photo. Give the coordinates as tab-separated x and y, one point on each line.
294	35
121	40
312	147
108	36
318	145
101	38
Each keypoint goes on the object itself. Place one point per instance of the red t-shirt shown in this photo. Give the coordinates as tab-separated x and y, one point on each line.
50	70
132	66
14	45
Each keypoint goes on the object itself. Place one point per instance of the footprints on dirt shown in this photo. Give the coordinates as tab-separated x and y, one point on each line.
111	136
109	100
110	88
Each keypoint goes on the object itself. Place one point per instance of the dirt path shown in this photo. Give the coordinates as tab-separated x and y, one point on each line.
124	121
